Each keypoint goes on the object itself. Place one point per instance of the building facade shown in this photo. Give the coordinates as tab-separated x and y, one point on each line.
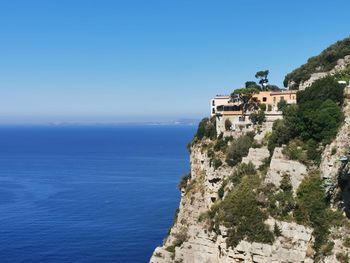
230	116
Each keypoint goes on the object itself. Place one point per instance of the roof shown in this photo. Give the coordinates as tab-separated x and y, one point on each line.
284	92
222	97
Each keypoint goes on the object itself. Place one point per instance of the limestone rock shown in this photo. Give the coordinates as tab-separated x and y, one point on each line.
280	165
256	156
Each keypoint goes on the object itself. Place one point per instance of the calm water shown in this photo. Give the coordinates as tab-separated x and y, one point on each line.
88	194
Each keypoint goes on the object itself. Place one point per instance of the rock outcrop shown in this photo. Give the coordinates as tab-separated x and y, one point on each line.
341	65
280	165
200	245
256	156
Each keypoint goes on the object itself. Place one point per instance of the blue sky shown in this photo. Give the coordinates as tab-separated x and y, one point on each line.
133	60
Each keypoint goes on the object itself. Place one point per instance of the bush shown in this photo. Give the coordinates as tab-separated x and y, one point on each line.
313	151
238	149
282	202
258	118
183	181
327	248
346	241
281	134
262	107
312	208
282	105
322	123
321	90
228	125
294	150
240	212
220	145
277	230
221	191
269	107
314	120
217	163
241	170
206	129
342	257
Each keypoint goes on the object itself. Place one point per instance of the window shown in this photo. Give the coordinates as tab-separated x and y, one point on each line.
213	111
213	102
264	99
274	99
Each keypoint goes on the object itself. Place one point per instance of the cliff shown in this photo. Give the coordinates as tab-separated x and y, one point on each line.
332	60
277	194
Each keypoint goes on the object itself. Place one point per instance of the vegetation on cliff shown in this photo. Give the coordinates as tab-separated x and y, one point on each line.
314	121
244	200
206	129
312	208
322	63
240	211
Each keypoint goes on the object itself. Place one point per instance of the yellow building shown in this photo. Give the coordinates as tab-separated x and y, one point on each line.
274	97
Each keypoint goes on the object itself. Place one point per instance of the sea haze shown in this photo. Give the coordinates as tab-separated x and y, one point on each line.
88	194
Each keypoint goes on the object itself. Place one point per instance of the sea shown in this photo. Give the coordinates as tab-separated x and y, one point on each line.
89	193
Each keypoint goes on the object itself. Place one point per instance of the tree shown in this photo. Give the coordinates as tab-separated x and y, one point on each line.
252	84
262	75
257	118
245	95
228	125
282	105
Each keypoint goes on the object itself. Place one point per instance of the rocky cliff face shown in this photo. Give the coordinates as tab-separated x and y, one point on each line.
341	65
197	244
194	239
190	240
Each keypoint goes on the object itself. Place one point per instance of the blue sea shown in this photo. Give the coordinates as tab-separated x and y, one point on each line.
88	193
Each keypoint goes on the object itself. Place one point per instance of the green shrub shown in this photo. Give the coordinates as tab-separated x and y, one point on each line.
269	107
327	248
183	181
241	170
217	163
258	118
346	241
262	107
282	105
312	208
170	249
281	134
220	145
228	125
277	230
315	120
321	90
206	129
210	153
282	202
313	151
334	150
180	237
294	150
238	149
240	212
221	191
342	257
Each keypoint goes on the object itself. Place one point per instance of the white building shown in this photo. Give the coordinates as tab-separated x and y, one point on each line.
218	100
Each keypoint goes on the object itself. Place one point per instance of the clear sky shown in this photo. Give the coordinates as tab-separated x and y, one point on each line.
145	60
